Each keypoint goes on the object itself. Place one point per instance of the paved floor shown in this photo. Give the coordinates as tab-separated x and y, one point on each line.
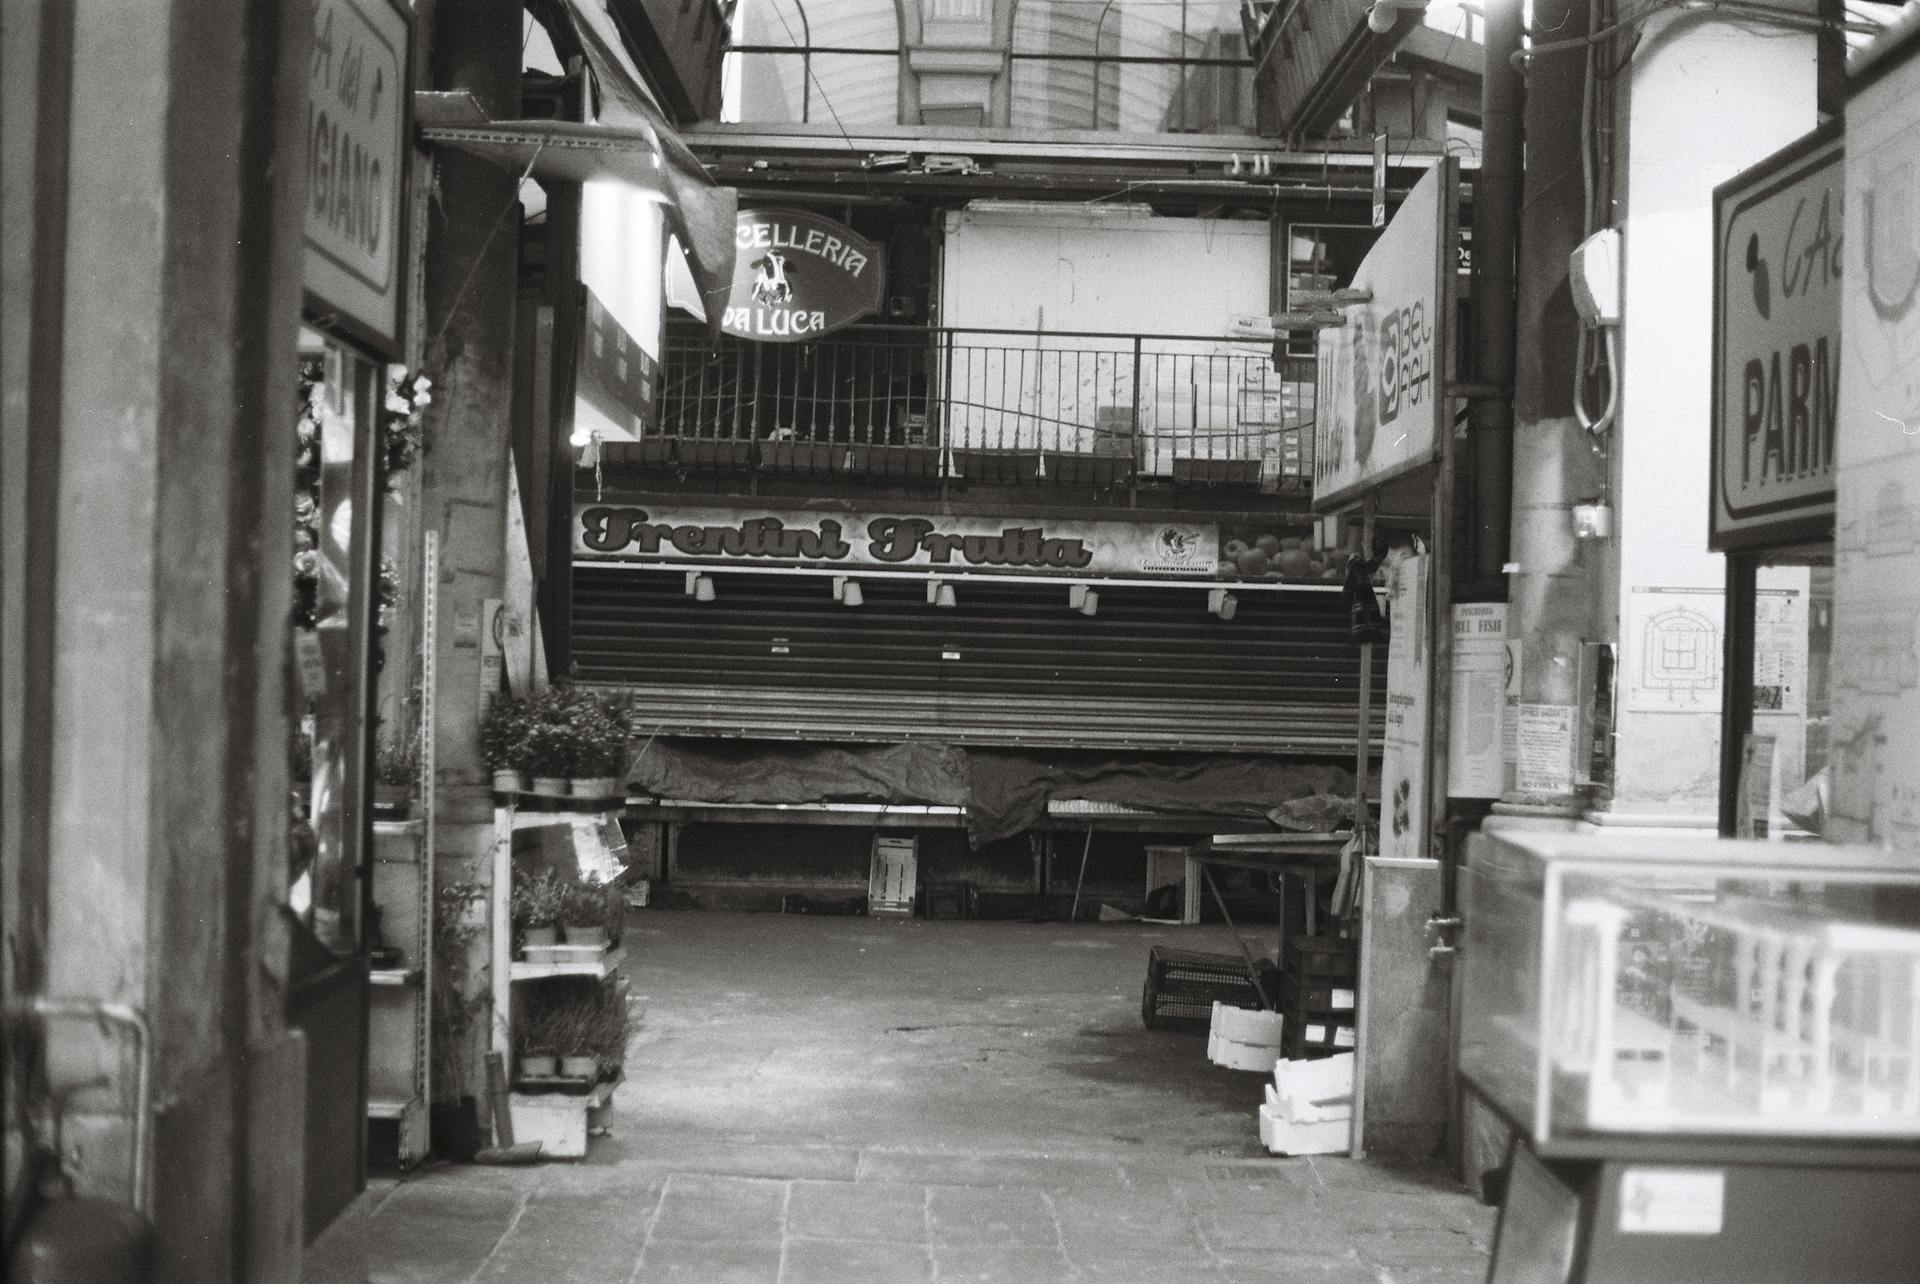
848	1100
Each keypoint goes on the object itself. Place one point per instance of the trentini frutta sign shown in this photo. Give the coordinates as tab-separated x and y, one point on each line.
797	276
904	541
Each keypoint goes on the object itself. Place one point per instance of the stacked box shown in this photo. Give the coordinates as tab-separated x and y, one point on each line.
1319	996
1309	1106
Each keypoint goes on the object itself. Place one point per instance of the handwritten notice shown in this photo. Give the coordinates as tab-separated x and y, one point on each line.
1543	761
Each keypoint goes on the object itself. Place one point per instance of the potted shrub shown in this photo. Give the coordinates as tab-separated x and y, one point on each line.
575	1039
587	917
395	761
538	1039
549	742
599	728
538	904
610	1028
503	743
459	918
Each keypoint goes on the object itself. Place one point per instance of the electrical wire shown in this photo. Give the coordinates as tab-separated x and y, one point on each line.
1760	13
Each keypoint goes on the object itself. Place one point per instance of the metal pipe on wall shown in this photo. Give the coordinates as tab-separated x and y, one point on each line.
1496	221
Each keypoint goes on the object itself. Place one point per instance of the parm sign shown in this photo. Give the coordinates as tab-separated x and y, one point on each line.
356	169
1777	233
798	276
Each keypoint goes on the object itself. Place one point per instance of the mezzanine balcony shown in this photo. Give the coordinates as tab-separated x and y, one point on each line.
970	407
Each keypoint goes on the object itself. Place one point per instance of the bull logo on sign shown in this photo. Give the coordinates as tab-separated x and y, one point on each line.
770	287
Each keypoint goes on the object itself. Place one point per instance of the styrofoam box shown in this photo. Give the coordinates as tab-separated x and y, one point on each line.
1242	1038
1315	1077
1283	1137
1299	1110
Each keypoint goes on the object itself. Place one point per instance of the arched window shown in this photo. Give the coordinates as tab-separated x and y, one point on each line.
1142	66
821	62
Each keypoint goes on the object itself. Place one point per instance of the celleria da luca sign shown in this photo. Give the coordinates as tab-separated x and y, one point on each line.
797	276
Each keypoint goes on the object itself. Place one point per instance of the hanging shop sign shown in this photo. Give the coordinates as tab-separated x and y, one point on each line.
899	541
1383	371
797	276
616	377
357	106
1776	344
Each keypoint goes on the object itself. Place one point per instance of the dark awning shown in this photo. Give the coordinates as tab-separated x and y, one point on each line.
643	155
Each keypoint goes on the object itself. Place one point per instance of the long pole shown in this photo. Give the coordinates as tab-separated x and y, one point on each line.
1085	852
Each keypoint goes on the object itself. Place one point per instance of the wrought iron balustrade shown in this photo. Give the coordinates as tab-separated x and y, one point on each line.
990	406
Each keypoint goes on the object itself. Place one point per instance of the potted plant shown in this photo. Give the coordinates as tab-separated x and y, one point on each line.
575	1038
538	903
396	759
538	1034
504	743
610	1027
599	727
459	915
588	914
549	742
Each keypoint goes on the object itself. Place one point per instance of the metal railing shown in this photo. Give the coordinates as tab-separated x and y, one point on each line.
990	405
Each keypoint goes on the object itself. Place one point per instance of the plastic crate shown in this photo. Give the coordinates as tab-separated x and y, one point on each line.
1185	984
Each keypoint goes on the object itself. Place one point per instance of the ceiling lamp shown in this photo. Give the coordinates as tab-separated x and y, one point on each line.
940	593
1083	599
699	587
1221	603
847	591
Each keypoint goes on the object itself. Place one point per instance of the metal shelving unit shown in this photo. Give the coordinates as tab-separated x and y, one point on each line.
399	1000
557	1120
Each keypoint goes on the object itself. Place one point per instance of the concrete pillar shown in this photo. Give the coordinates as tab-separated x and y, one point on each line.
1555	585
1704	99
471	275
159	338
1699	100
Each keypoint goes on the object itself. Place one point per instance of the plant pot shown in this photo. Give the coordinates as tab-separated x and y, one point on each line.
595	935
540	937
538	1066
597	787
550	786
391	800
508	781
587	1068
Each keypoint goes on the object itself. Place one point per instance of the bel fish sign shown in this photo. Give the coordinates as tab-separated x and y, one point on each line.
1776	388
798	276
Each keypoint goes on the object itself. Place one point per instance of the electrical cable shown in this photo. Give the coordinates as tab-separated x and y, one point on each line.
1703	8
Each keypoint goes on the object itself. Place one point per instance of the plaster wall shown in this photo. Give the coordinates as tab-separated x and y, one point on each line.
1875	736
1706	100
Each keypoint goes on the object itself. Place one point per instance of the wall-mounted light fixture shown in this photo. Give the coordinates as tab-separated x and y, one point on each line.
1221	603
847	591
1082	598
699	587
940	593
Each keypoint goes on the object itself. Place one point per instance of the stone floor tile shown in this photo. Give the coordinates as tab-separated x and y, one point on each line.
714	1263
1306	1231
825	1261
987	1215
436	1234
587	1239
721	1209
1418	1248
1296	1268
857	1211
986	1263
942	1168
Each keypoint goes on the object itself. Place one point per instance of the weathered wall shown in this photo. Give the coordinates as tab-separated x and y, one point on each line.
176	297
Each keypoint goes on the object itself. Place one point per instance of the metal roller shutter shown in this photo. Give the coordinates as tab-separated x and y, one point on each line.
775	657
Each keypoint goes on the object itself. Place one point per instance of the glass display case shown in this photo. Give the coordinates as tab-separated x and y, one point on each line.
1620	985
